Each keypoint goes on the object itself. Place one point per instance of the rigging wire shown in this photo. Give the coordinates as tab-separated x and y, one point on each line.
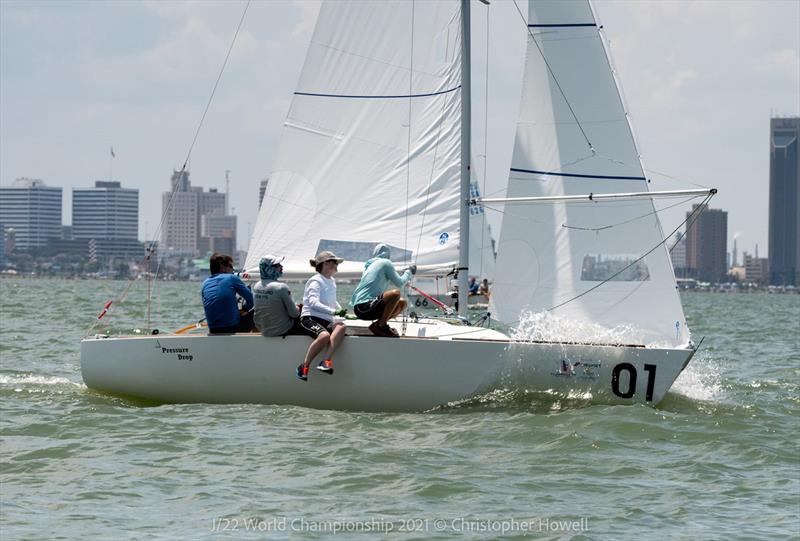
555	79
655	211
150	250
689	221
408	141
485	145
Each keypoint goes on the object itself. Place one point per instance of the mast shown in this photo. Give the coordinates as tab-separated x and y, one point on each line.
466	127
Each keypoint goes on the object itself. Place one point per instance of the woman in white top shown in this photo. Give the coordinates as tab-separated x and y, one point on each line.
316	317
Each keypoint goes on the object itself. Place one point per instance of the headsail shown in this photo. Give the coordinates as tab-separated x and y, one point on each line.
573	137
370	147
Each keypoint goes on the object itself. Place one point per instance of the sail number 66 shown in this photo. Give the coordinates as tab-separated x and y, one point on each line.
631	390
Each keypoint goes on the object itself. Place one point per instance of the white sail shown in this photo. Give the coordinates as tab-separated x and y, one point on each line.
481	244
370	146
551	253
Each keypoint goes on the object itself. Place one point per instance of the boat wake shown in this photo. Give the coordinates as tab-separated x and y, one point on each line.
701	380
523	400
547	327
34	383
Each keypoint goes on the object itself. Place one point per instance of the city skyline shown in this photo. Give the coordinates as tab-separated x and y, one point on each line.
702	81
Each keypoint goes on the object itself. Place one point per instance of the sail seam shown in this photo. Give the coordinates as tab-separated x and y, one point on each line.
387	97
575	175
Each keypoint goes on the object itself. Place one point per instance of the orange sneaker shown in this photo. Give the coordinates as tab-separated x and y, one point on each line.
326	366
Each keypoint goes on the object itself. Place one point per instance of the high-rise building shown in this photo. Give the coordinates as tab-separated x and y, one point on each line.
109	214
784	200
706	244
107	211
756	269
678	255
2	246
196	221
179	234
34	211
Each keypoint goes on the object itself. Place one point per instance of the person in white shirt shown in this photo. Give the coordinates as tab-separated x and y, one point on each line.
316	316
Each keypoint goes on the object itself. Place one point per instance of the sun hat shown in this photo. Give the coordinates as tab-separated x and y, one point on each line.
324	256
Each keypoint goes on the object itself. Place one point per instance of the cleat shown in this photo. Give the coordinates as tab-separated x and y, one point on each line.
326	366
302	372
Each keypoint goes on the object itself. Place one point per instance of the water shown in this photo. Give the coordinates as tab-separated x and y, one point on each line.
718	459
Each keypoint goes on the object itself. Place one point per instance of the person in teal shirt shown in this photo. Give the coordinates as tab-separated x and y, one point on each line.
377	297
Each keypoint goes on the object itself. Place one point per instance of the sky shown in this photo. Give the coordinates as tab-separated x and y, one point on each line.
701	80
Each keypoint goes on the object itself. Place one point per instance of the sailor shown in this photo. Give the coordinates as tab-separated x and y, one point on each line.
219	293
374	299
276	314
316	316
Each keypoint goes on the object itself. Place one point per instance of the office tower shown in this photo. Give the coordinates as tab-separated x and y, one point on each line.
109	214
784	199
33	210
756	269
706	245
179	206
196	221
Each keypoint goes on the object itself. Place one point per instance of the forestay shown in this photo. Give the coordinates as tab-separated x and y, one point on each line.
370	146
549	253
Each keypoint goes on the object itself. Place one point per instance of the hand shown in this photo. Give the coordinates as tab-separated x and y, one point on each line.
412	269
340	313
300	306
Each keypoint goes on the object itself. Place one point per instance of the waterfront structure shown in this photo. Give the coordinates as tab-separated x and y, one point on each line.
784	195
33	209
706	245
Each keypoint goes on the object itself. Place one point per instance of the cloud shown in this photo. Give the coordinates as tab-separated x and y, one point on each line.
784	62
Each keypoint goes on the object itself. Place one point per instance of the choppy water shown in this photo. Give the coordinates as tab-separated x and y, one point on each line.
718	459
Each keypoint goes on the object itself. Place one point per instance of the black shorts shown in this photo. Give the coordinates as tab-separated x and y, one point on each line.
370	310
314	326
245	325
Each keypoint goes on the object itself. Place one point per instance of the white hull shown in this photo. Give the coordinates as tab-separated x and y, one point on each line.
412	373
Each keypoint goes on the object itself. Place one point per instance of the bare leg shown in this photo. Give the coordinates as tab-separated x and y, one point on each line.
399	308
316	347
391	300
336	338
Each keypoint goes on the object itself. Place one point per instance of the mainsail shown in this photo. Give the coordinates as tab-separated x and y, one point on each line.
370	146
573	137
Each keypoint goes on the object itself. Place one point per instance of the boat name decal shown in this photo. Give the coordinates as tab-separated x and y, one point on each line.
579	369
182	353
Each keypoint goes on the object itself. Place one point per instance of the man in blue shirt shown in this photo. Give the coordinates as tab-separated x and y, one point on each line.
219	298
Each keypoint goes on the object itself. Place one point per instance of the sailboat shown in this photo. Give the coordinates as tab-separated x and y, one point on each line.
376	148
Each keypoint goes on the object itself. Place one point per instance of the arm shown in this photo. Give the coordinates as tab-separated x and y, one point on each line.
288	303
391	275
312	293
240	288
